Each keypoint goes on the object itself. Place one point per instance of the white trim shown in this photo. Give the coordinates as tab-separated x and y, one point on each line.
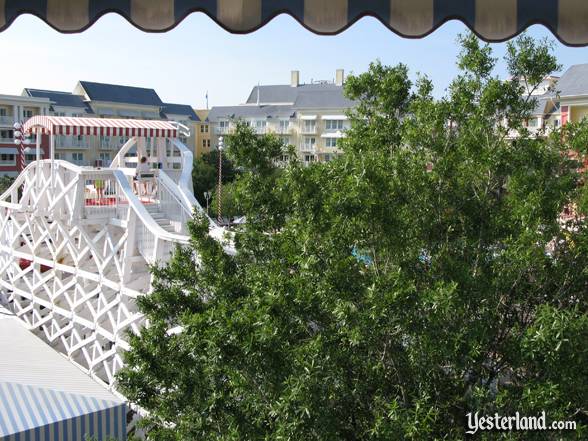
308	117
337	134
9	150
334	117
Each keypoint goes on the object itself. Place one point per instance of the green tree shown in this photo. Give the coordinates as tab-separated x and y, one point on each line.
205	174
422	275
5	183
229	205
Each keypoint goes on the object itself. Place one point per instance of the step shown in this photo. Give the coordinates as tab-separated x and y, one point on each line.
163	221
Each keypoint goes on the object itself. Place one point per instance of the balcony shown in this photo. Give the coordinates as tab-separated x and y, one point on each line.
7	140
72	145
259	130
308	130
280	130
7	120
221	130
308	148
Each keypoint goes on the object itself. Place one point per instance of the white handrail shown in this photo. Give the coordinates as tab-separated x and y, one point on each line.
142	212
118	160
185	182
13	189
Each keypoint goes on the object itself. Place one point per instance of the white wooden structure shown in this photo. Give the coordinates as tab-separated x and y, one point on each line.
76	242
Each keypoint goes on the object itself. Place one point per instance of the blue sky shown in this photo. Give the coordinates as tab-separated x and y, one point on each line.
199	56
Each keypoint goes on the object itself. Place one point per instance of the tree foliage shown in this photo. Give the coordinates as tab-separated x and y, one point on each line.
424	274
205	174
5	183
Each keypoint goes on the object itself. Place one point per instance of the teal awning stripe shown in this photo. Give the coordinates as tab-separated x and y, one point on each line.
27	410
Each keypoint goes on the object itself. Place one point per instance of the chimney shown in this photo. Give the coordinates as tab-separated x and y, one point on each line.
295	78
340	77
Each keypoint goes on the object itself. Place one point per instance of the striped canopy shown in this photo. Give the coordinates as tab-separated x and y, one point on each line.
59	125
493	20
29	412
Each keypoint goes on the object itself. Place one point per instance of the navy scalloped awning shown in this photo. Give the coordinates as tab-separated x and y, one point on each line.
492	20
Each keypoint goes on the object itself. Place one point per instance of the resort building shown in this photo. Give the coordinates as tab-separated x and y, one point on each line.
89	99
311	117
203	141
573	94
13	109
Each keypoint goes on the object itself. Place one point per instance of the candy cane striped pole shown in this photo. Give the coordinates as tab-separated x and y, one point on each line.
219	216
19	141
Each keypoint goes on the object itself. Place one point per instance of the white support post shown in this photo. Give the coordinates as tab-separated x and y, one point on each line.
130	246
38	177
52	152
161	152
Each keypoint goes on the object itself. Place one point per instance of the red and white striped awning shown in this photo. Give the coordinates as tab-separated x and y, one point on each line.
61	125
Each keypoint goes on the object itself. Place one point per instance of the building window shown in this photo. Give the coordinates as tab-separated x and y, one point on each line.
331	142
57	155
208	143
59	113
223	126
309	126
204	128
309	143
284	125
334	124
7	159
30	157
105	159
77	157
259	126
6	134
534	122
556	123
308	158
3	111
27	113
204	143
285	140
105	142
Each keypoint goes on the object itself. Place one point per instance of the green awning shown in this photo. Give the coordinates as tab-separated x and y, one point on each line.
492	20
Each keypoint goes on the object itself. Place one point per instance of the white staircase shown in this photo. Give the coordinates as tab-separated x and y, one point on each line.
159	217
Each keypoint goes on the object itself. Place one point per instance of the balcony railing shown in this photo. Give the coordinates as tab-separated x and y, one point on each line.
73	145
308	148
7	140
7	120
308	130
221	130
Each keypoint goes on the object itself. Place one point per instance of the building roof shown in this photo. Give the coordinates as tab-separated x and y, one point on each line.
327	95
545	104
323	99
179	109
202	114
574	82
115	93
247	111
64	99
